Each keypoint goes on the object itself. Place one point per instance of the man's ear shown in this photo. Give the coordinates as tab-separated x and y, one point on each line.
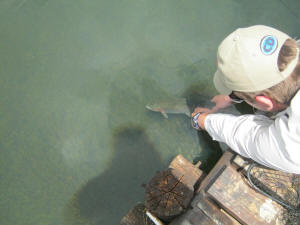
265	102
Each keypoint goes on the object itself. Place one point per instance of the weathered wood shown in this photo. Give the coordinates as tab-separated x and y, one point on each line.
276	183
193	217
215	213
154	219
189	173
223	162
136	216
241	162
170	192
167	196
233	193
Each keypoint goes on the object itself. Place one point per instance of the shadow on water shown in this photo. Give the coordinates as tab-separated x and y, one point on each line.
106	198
209	159
196	96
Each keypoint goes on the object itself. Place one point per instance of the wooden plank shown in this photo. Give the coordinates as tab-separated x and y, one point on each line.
193	217
232	192
276	183
215	213
233	219
223	162
189	173
241	162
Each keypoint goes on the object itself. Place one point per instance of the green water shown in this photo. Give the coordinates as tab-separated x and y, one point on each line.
76	141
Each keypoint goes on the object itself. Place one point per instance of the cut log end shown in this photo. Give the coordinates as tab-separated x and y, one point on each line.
167	196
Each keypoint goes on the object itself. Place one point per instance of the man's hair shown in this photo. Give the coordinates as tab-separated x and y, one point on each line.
284	91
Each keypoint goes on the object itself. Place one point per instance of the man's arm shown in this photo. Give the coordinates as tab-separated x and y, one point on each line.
255	136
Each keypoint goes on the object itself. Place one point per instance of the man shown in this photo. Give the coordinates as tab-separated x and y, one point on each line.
261	66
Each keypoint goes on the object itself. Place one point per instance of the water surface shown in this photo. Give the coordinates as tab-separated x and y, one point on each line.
76	141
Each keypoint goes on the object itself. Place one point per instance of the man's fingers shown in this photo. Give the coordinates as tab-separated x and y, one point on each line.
200	109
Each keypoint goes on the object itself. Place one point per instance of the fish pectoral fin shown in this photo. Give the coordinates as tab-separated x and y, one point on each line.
164	114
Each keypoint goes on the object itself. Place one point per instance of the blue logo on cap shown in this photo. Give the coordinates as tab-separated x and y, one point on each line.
268	45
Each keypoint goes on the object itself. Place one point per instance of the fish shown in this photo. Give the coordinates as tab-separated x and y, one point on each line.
173	105
179	105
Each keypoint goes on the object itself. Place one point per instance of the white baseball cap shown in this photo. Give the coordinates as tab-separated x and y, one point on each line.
247	60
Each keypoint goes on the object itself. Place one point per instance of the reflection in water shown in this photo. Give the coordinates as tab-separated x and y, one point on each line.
106	198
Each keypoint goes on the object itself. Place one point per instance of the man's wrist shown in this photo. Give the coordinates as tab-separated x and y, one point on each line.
195	121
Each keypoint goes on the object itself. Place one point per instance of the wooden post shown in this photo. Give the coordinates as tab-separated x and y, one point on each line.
192	173
170	192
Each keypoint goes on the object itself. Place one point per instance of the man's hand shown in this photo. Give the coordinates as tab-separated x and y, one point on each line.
222	101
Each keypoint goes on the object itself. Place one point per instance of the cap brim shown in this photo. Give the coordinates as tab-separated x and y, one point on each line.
219	83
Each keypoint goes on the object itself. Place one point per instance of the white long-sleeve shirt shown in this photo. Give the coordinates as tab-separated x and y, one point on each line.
273	143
